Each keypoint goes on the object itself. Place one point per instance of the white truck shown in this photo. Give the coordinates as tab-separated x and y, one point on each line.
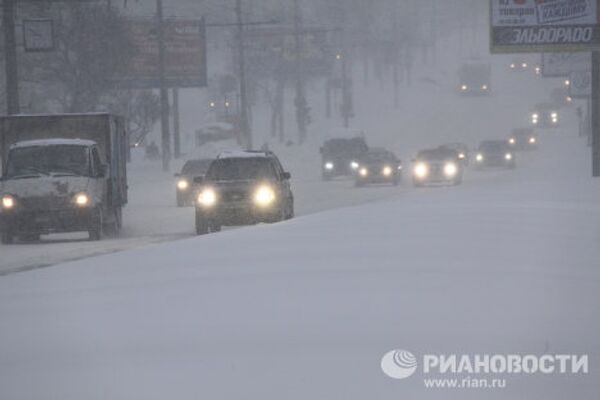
62	173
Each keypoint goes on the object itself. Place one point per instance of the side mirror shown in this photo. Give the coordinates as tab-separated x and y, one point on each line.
103	171
198	179
286	176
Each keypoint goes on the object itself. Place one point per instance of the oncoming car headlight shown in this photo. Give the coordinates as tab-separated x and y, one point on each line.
484	87
450	169
183	184
329	166
264	196
464	87
207	197
421	170
462	156
511	140
508	156
363	171
532	140
386	171
354	165
479	157
82	199
8	202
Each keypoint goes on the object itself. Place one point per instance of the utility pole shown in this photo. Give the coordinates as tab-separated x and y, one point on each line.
244	125
596	114
164	94
176	124
300	100
10	50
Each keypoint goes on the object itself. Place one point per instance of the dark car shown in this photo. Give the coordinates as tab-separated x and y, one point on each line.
339	157
523	139
440	165
378	166
545	116
462	150
495	153
242	188
184	187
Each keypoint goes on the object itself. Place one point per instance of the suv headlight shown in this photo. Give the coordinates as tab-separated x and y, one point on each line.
207	197
264	196
183	184
450	169
421	170
82	200
8	202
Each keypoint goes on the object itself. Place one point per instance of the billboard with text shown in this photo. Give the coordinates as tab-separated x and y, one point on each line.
544	25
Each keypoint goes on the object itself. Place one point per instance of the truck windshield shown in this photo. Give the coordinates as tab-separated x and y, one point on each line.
233	169
48	160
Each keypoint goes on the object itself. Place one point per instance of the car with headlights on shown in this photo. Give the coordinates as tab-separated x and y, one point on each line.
545	116
475	79
378	166
523	139
243	188
495	153
339	157
184	186
439	165
462	150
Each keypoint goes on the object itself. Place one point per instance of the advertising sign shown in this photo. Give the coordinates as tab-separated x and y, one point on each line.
581	84
556	65
544	25
185	58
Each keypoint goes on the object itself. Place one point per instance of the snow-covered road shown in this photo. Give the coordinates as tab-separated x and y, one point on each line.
507	263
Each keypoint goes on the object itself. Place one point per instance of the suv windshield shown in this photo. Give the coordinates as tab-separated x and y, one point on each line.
354	146
437	154
195	167
237	169
493	146
48	160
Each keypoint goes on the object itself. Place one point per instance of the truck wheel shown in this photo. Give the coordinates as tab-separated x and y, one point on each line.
115	226
202	225
6	237
215	226
96	228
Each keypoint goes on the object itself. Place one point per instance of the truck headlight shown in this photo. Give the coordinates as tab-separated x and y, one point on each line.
387	171
264	196
508	156
329	166
207	197
8	202
82	199
450	170
421	170
182	184
363	172
479	157
354	165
